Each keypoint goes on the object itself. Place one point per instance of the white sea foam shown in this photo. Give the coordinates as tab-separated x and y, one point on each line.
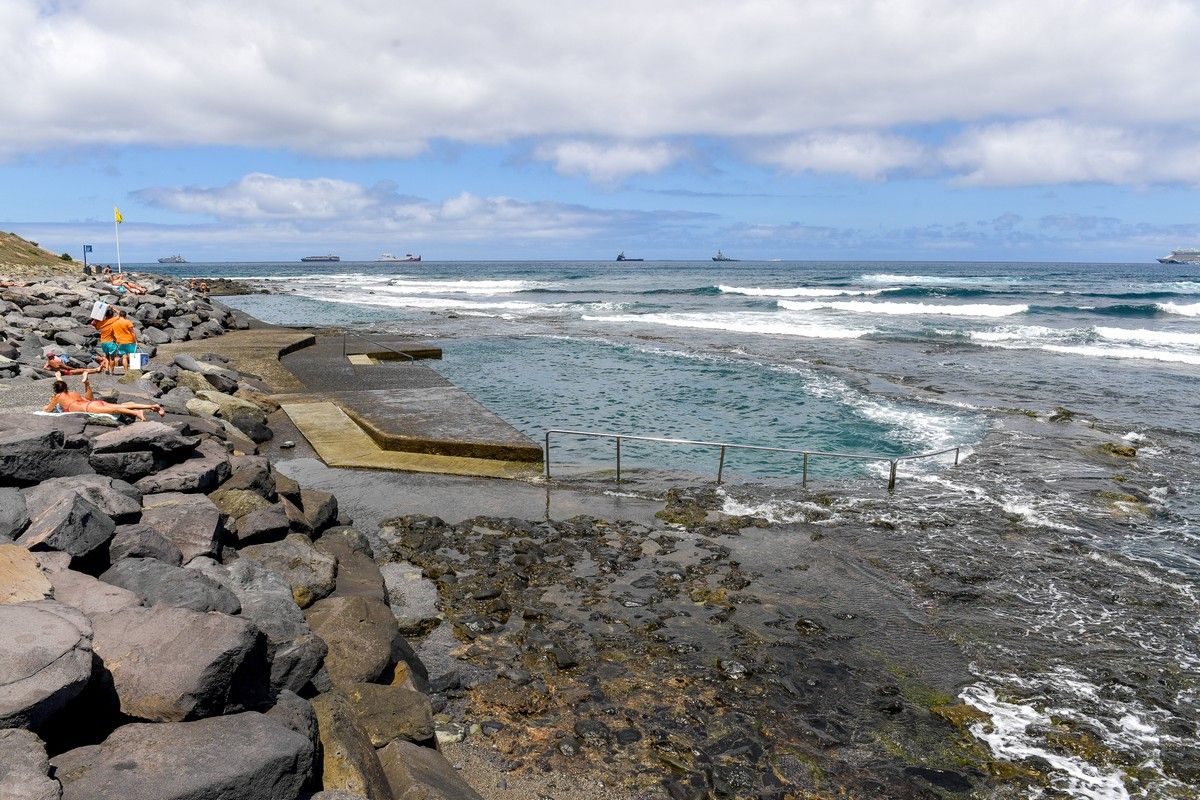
1124	352
1008	333
863	307
1186	310
776	511
798	291
1149	337
749	322
426	286
932	280
1009	736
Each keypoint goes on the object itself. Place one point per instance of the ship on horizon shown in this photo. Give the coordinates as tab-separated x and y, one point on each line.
409	258
722	257
1182	255
622	257
175	259
329	257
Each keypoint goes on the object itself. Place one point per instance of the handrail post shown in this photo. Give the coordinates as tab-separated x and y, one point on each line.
956	456
804	477
618	459
721	465
892	477
547	455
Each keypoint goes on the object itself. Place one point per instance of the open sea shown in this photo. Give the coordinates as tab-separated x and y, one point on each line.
1068	575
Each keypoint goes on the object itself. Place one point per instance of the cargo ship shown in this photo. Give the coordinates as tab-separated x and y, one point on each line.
722	257
322	258
175	259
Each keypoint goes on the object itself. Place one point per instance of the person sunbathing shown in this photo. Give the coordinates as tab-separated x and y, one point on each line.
58	365
66	400
131	286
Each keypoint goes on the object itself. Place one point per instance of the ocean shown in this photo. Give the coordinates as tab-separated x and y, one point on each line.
1067	574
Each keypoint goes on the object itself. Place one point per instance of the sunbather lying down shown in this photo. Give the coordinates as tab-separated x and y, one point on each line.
66	400
62	367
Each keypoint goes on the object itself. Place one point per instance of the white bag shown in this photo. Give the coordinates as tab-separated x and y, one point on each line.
98	309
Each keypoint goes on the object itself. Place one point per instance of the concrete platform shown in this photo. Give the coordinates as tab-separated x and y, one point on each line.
340	442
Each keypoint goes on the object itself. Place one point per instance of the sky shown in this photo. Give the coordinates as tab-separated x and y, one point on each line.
1065	130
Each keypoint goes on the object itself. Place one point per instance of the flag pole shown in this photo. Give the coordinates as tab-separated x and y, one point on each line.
117	234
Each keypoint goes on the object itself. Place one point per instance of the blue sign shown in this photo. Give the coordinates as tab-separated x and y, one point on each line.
87	248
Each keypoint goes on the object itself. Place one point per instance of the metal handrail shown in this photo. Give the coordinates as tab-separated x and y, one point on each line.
357	335
893	461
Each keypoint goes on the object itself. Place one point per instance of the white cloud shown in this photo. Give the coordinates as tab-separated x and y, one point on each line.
382	78
869	156
1050	151
343	211
607	163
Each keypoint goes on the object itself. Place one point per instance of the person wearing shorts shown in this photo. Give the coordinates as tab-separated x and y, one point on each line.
125	337
108	343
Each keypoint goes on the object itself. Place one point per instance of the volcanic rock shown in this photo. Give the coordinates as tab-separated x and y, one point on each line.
159	583
45	662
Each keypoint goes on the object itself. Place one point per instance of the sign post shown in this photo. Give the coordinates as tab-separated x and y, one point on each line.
87	248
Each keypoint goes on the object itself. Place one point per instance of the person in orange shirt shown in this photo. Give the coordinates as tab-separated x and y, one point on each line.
108	344
126	338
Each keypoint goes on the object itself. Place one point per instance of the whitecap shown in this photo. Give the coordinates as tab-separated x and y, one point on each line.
742	323
1186	310
1148	336
932	280
1124	352
862	307
797	291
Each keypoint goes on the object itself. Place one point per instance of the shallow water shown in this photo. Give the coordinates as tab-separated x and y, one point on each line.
1067	576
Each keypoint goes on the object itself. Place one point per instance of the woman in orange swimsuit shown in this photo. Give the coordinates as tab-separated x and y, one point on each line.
67	400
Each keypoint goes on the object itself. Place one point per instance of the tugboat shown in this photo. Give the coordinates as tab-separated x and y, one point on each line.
330	257
722	257
1183	255
622	257
175	259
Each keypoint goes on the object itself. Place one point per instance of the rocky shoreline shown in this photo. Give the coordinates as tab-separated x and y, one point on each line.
181	620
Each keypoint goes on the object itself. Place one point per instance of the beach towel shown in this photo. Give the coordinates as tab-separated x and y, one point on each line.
112	417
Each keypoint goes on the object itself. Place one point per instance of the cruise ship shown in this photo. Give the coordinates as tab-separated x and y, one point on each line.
175	259
1183	255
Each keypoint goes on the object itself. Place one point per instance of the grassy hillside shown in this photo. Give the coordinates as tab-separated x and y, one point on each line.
20	257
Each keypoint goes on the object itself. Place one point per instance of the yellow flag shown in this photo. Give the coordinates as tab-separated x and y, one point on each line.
117	215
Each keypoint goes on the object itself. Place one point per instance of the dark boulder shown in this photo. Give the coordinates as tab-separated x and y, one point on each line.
159	583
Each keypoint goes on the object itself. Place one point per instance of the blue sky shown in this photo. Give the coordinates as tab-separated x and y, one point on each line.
795	130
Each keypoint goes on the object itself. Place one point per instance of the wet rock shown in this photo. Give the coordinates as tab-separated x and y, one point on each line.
46	660
24	767
569	746
159	583
14	515
190	521
253	425
349	760
70	524
309	572
415	771
21	578
29	456
1120	450
245	756
172	664
412	597
252	474
593	731
386	713
115	497
142	541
